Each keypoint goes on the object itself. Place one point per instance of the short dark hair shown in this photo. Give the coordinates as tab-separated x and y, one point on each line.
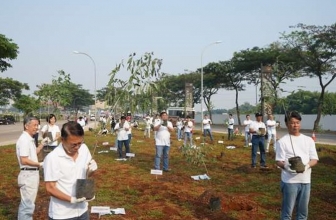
71	128
122	117
230	114
293	114
162	113
51	116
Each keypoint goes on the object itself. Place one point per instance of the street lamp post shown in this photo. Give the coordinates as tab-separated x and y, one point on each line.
217	42
156	100
95	83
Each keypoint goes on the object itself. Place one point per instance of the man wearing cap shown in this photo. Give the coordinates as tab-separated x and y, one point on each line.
258	131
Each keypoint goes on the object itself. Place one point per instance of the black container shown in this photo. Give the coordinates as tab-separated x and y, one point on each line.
85	188
296	164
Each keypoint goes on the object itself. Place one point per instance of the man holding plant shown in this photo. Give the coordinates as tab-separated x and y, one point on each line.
296	155
163	128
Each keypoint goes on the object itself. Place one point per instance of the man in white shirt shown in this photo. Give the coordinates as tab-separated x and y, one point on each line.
207	127
148	124
230	127
188	127
247	123
179	125
155	121
295	177
81	121
29	176
122	127
258	131
70	161
271	131
162	141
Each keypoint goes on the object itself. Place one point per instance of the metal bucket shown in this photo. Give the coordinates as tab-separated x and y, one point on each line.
85	188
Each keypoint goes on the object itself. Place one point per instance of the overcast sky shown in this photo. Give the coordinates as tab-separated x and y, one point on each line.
176	31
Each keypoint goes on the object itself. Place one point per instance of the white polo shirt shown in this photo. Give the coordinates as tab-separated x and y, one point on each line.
231	123
53	129
255	125
25	147
304	147
162	137
188	127
60	167
247	124
122	133
271	126
206	123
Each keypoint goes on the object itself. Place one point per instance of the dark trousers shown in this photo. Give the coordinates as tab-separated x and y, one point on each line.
120	144
258	142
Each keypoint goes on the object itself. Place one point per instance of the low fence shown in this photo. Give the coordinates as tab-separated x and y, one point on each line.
327	122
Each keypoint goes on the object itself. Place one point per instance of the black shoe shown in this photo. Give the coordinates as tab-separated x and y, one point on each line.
168	170
253	166
264	167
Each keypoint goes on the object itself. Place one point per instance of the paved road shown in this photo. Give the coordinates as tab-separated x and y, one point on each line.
323	138
10	133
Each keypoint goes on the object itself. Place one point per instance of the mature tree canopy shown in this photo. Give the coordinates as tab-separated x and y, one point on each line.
10	89
8	51
27	104
315	46
63	92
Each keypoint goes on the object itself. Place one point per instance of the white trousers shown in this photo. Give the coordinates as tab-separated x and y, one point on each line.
28	182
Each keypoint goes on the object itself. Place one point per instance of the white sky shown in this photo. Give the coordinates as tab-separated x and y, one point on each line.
176	31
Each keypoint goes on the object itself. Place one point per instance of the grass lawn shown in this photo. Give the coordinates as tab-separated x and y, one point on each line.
244	193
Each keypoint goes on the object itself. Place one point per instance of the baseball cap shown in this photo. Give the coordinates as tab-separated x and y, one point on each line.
258	114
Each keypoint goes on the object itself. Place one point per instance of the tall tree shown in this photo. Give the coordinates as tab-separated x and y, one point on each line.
234	80
79	98
27	104
144	73
8	51
10	89
315	46
283	63
61	91
214	79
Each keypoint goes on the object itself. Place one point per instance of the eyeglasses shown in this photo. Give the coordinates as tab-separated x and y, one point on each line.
73	145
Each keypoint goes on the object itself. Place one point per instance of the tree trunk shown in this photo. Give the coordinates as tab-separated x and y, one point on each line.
319	110
207	104
237	108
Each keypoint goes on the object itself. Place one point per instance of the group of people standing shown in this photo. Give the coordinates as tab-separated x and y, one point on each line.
295	155
295	177
68	161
